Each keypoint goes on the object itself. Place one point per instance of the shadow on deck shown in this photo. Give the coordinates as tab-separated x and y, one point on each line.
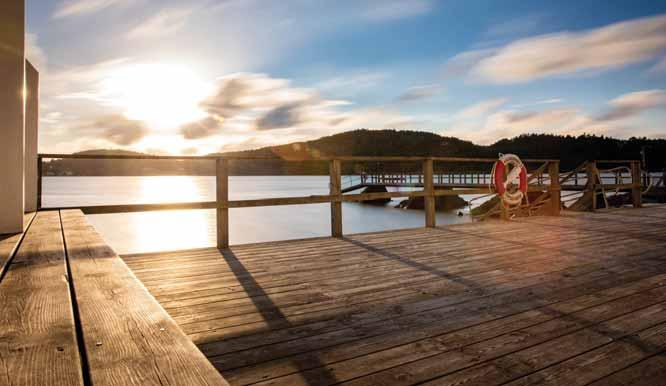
574	299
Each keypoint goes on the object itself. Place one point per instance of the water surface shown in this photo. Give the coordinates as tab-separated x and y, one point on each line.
183	229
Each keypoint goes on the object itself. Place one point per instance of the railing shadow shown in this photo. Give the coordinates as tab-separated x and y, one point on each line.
274	317
471	285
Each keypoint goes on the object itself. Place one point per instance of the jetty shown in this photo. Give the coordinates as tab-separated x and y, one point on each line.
543	293
554	296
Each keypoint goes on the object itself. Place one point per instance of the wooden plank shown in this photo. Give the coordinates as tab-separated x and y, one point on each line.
422	311
9	244
128	338
648	372
459	313
419	360
558	361
365	356
627	341
466	267
38	344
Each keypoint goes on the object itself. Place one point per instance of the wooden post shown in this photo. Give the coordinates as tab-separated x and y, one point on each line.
39	183
554	188
336	206
636	195
222	196
591	168
429	198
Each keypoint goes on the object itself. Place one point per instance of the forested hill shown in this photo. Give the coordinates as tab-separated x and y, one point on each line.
569	149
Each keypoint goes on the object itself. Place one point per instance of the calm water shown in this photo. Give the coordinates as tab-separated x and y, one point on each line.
171	230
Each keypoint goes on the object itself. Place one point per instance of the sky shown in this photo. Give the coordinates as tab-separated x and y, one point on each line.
202	76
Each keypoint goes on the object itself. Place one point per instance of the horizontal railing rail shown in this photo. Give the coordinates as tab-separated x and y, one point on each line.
275	158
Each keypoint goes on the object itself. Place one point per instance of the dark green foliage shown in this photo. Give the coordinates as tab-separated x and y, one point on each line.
571	150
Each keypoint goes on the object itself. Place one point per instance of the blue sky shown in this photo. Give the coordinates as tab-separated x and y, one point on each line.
211	75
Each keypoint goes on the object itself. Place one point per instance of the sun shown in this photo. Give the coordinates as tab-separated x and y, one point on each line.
164	96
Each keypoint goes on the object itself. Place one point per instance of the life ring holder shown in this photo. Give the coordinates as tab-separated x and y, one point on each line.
502	181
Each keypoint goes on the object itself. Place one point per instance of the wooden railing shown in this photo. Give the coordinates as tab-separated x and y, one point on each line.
594	180
222	204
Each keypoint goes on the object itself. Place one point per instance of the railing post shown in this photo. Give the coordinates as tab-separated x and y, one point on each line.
336	206
429	198
222	197
39	183
636	195
590	169
554	188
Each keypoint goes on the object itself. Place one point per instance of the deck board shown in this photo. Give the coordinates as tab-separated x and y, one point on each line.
38	344
481	303
10	243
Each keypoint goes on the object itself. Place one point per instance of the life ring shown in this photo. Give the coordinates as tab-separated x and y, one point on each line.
504	182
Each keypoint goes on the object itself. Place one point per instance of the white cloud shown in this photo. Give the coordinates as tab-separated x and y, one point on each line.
352	83
481	108
420	92
387	10
511	123
539	102
257	103
612	46
566	120
119	130
81	7
163	23
634	103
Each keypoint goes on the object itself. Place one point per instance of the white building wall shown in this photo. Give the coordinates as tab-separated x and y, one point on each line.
12	53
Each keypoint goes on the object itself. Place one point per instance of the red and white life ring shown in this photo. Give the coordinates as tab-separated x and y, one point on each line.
505	183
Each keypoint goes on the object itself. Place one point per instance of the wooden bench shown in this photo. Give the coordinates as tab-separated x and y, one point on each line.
103	328
38	344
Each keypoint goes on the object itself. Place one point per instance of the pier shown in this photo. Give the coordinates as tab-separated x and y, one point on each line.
550	296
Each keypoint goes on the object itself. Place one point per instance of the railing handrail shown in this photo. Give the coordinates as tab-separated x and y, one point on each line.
286	159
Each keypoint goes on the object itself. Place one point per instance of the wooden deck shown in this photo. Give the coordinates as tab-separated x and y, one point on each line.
571	300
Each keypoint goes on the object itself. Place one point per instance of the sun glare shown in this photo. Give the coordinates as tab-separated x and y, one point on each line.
162	95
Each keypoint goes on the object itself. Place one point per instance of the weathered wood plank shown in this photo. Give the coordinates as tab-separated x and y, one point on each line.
129	339
516	354
356	359
37	331
649	372
9	244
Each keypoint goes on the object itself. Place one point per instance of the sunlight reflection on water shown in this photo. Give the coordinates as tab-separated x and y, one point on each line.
183	229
